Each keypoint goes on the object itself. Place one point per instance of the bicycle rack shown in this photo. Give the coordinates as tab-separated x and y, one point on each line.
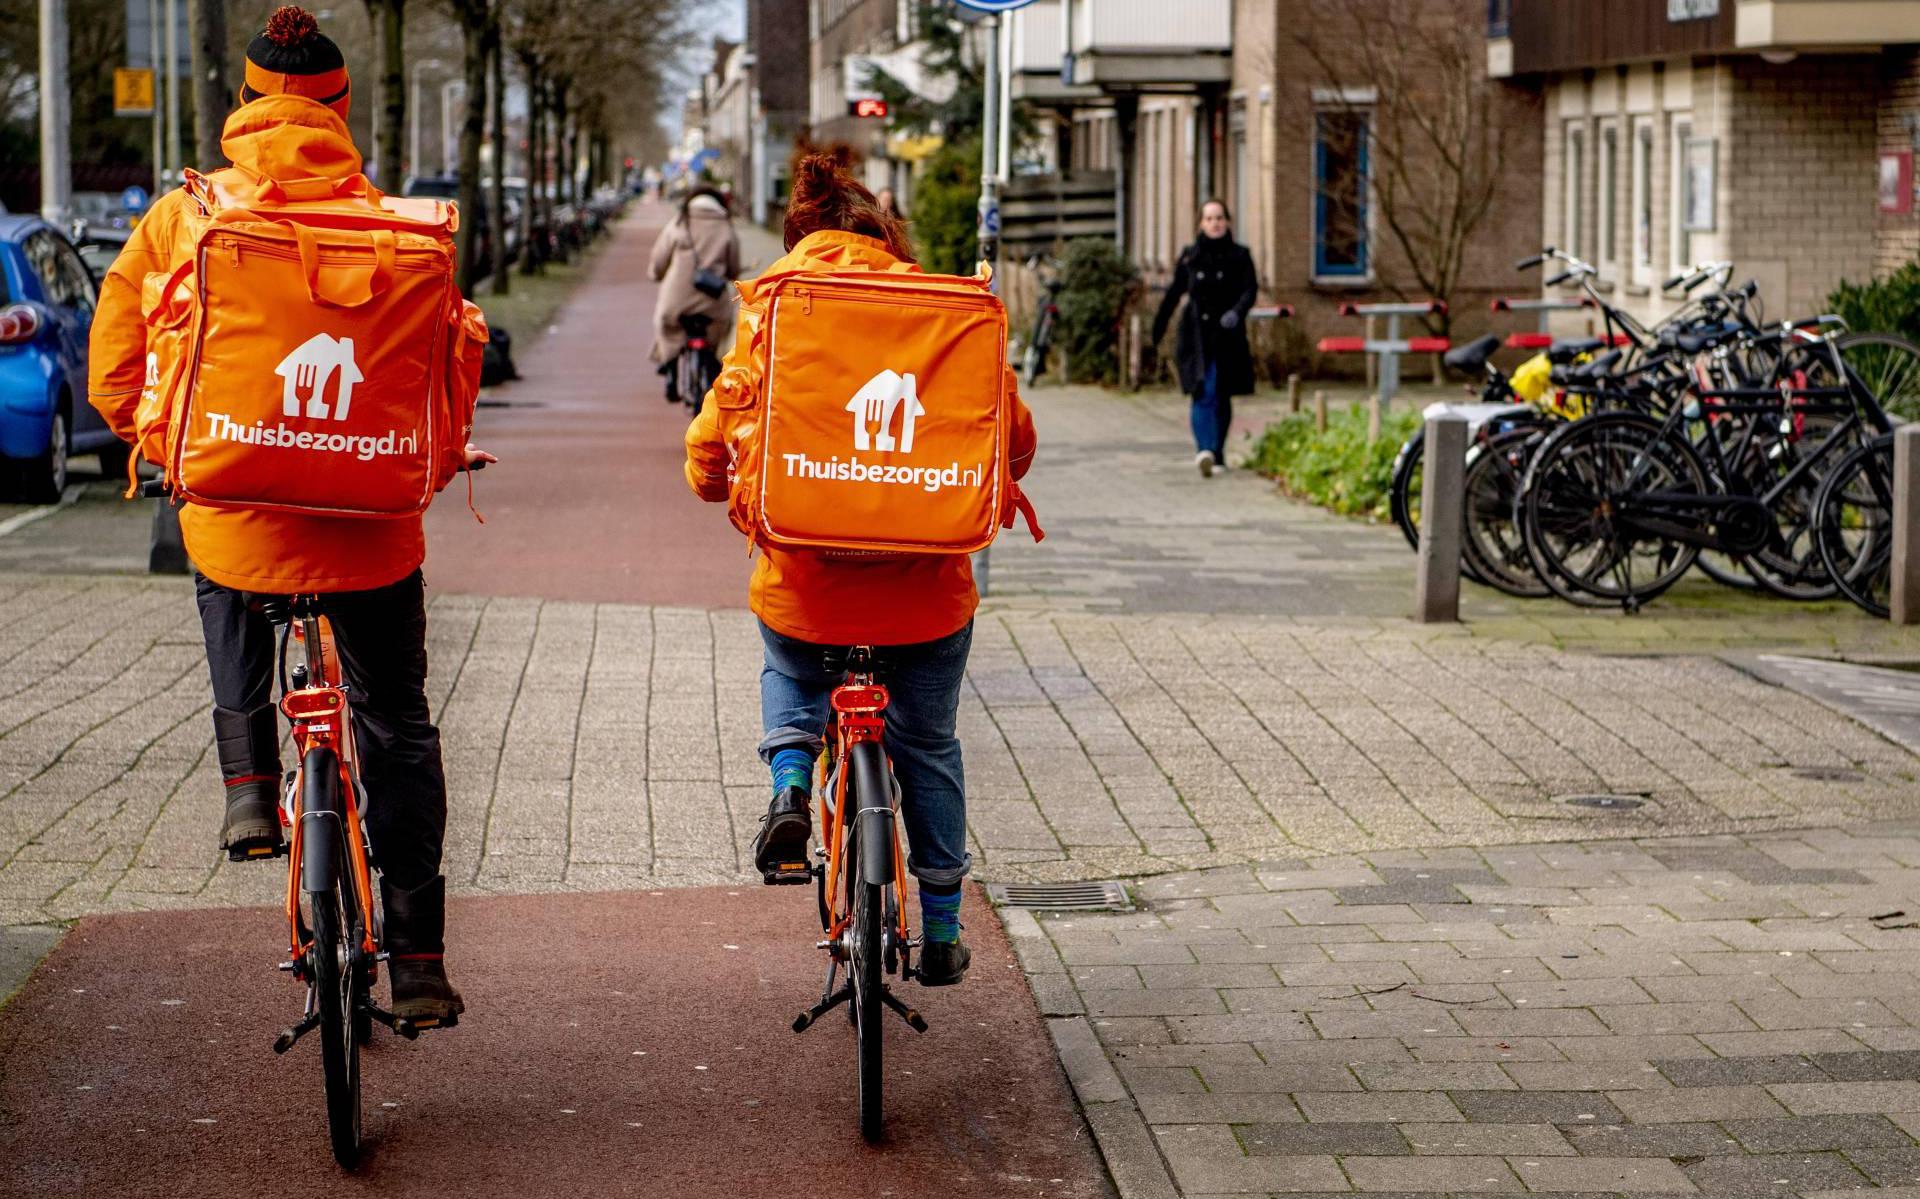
1389	348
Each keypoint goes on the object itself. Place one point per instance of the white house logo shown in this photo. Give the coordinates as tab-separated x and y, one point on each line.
307	369
876	403
884	401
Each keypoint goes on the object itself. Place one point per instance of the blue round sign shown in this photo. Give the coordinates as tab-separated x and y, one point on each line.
994	5
134	199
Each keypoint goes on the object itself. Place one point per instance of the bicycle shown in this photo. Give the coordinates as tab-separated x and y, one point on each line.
334	925
697	365
860	878
1051	281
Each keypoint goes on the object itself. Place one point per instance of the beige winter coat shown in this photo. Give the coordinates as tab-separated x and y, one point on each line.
704	238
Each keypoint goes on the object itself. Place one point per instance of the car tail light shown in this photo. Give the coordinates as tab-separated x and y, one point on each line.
18	323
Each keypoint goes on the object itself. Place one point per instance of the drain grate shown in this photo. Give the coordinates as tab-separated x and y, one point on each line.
1604	803
1060	897
1829	774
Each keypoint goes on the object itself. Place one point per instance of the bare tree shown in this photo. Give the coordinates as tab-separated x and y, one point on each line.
212	95
1410	78
389	37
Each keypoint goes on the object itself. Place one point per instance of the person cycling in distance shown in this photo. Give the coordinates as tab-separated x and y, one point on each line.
917	609
291	126
695	259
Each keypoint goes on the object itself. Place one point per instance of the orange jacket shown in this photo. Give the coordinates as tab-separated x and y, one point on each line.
279	137
821	596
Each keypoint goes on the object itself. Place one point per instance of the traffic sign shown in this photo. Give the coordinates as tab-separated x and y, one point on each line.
134	199
994	5
132	92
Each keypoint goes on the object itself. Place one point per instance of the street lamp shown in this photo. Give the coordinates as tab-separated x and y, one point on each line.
413	110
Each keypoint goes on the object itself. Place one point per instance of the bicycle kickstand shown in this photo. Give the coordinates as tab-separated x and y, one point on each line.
288	1036
804	1020
914	1019
399	1024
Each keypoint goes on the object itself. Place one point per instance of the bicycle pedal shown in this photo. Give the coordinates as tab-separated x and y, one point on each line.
788	874
256	853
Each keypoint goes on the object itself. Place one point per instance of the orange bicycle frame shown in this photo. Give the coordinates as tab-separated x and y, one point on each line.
858	707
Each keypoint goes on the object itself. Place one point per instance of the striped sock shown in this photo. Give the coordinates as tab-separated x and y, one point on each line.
940	912
792	768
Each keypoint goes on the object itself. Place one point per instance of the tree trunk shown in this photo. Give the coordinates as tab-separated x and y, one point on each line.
475	30
389	31
531	252
497	100
212	97
562	160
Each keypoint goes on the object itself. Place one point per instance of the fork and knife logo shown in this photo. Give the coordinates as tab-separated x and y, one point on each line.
305	371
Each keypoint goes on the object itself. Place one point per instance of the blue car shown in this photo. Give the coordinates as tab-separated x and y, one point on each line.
47	298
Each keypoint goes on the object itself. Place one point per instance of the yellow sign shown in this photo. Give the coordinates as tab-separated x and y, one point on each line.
132	92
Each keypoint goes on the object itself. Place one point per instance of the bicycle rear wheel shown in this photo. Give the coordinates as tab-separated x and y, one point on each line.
865	951
337	975
1492	541
1853	525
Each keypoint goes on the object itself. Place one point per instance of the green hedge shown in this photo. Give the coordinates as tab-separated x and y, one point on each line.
1097	285
1337	469
1890	304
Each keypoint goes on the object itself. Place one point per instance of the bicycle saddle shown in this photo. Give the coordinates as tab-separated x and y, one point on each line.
840	659
1587	373
1562	352
1471	359
695	323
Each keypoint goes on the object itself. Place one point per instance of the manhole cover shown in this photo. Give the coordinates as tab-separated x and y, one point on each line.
1604	803
1829	774
1059	896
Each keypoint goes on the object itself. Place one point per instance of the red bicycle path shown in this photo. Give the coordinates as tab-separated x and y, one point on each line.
614	1044
588	501
632	1043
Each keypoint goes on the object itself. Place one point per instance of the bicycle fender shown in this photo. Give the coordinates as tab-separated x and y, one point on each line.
873	797
323	840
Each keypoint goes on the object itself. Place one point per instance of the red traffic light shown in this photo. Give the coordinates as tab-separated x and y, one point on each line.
867	107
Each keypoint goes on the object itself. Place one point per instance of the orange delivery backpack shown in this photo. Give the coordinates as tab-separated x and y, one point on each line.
883	416
313	355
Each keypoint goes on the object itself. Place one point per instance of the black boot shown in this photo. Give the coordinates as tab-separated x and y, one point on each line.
780	847
943	963
415	941
248	746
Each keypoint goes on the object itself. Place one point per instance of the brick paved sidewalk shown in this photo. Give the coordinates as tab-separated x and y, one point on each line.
1735	1016
602	746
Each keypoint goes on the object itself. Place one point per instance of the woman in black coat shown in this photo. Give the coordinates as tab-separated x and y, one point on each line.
1216	275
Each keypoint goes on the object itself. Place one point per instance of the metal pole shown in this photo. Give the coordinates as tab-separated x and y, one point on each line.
1003	163
1905	602
173	87
990	144
413	123
1390	363
1436	589
159	96
56	174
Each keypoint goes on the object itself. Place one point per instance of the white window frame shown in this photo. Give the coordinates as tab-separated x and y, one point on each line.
1679	240
1573	187
1643	146
1606	202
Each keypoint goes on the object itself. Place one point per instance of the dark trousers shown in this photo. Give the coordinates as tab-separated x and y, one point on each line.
1211	415
381	636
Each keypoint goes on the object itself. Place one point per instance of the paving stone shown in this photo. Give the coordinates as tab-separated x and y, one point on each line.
1649	1140
1216	1109
1391	1106
1686	1104
1206	1158
1733	1071
1816	1098
1531	1140
1288	1077
1813	1133
1585	1076
1889	1167
1601	1174
1773	1044
1868	1067
1335	1138
1483	1049
1773	1174
1456	1175
1541	1107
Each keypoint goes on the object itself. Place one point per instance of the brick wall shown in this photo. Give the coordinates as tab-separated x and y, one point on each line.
1897	235
1801	198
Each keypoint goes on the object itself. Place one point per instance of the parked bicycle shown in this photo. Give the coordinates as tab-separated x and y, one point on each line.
1048	271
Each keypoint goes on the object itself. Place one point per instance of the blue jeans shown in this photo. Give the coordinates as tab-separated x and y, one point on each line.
1211	415
923	681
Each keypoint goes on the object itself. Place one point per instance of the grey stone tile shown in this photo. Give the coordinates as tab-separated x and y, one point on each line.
1602	1174
1396	1107
1370	1139
1889	1167
1649	1140
1801	1134
1216	1109
1773	1174
1733	1071
1868	1067
1447	1140
1456	1175
1537	1107
1690	1104
1816	1098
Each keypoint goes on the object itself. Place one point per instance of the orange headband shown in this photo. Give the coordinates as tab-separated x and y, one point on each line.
328	87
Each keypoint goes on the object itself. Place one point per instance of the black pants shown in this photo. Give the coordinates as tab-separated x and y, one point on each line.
381	636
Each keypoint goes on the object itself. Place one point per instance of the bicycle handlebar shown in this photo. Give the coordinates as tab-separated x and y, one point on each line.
1558	279
1528	263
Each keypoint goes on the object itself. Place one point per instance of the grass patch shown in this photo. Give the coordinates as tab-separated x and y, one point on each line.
532	301
1337	469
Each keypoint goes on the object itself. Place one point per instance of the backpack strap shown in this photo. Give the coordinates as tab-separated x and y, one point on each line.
1024	507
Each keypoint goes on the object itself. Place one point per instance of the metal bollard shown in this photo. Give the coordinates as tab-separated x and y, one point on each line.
1373	418
1436	588
1905	602
1293	392
1319	412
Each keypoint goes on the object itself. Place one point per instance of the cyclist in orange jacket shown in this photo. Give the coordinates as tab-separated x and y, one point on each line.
291	125
919	607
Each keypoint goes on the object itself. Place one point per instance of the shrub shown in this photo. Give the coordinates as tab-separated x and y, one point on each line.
1886	305
1097	285
1337	469
946	209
